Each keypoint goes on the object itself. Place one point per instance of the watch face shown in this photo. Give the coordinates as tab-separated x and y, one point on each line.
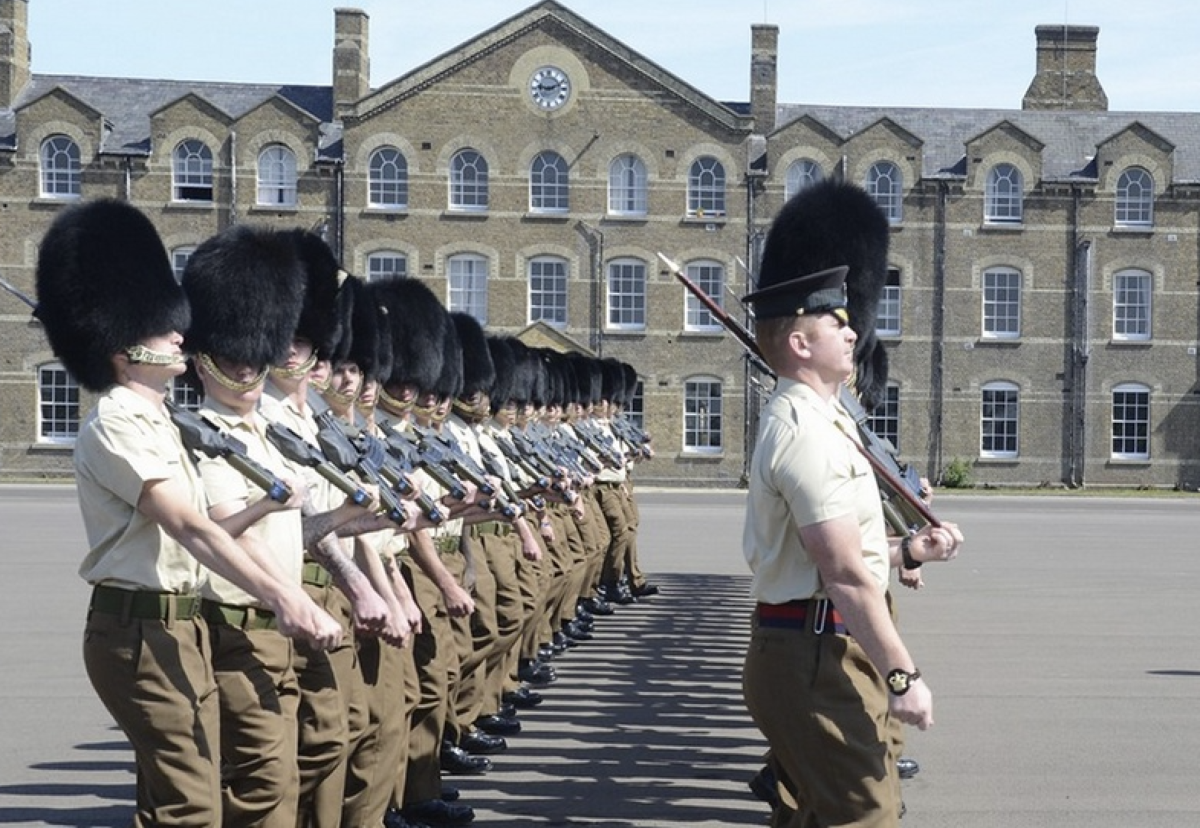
549	87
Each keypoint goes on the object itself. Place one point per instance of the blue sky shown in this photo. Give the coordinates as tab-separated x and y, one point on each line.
961	53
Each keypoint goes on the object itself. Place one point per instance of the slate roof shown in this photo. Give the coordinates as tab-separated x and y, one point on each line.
127	104
1070	137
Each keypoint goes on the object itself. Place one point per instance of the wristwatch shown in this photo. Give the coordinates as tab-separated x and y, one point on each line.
906	554
899	681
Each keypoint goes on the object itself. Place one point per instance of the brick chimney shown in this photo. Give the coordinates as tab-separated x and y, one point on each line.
1066	70
351	58
14	50
764	85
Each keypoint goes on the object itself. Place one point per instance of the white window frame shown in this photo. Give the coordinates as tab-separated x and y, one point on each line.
277	177
709	276
635	412
549	184
801	173
1133	303
703	428
467	285
1134	206
706	188
58	405
627	186
386	264
1004	196
192	172
548	290
1130	422
1001	303
885	184
625	288
469	181
888	320
387	179
187	395
1000	420
884	419
61	165
179	259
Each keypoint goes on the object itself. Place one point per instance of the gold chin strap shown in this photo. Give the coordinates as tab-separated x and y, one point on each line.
337	396
226	381
295	373
426	411
142	355
393	405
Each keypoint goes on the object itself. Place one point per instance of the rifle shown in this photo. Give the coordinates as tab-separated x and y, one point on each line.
901	487
536	466
295	448
201	436
434	463
337	446
465	466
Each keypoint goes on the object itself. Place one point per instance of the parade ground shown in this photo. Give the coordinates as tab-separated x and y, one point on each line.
1062	649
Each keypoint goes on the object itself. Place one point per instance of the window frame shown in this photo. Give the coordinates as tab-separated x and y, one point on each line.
884	418
543	298
991	304
549	183
801	173
277	177
380	265
891	198
988	423
890	306
629	313
471	297
693	429
709	276
179	259
192	170
469	194
1124	310
58	420
387	179
1131	209
706	188
628	186
1004	195
1142	425
60	168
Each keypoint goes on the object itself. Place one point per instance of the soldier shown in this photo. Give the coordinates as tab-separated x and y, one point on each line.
815	537
115	316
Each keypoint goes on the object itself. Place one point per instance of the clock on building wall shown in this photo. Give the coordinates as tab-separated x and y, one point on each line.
549	87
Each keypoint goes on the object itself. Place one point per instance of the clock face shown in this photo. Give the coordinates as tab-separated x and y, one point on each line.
549	87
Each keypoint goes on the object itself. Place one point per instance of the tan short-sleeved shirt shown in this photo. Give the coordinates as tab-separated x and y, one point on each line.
806	470
276	407
609	474
279	532
125	443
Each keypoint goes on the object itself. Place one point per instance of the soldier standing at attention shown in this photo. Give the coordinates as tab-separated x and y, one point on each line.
826	667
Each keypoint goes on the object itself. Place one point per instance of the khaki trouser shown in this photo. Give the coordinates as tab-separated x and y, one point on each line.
258	696
156	680
500	547
824	711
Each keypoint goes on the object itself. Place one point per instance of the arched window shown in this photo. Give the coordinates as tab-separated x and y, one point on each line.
192	172
706	187
386	264
627	186
277	176
468	181
468	278
1003	196
999	419
387	179
548	187
61	168
886	185
1131	422
1135	199
702	415
801	174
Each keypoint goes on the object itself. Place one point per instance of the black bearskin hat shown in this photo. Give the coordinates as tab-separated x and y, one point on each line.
246	289
831	224
505	373
104	283
589	378
321	319
612	382
631	381
479	372
450	381
418	322
370	333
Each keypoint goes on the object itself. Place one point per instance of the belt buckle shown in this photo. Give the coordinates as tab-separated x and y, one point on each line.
822	613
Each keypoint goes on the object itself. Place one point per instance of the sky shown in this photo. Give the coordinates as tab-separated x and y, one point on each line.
944	53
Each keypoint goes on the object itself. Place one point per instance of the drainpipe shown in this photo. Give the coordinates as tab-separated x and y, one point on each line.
937	357
339	210
233	181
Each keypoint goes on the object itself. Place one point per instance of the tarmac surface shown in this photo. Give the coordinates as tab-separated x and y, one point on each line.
1062	648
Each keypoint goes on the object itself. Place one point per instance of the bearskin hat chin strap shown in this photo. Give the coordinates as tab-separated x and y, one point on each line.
295	373
228	382
392	405
141	355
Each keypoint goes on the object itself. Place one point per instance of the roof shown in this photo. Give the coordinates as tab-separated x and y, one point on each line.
1070	137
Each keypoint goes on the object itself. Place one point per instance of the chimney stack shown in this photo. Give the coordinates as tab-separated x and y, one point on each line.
1066	70
764	86
351	60
14	50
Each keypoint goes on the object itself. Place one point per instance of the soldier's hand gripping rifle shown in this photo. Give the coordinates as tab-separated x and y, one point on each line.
337	446
544	472
902	489
433	462
200	436
464	466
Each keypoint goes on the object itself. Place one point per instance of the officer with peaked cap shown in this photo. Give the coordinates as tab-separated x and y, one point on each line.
115	316
816	541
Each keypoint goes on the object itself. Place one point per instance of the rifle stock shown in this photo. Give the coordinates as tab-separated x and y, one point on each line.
200	435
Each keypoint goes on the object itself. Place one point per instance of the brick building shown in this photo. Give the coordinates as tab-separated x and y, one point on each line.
1041	316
